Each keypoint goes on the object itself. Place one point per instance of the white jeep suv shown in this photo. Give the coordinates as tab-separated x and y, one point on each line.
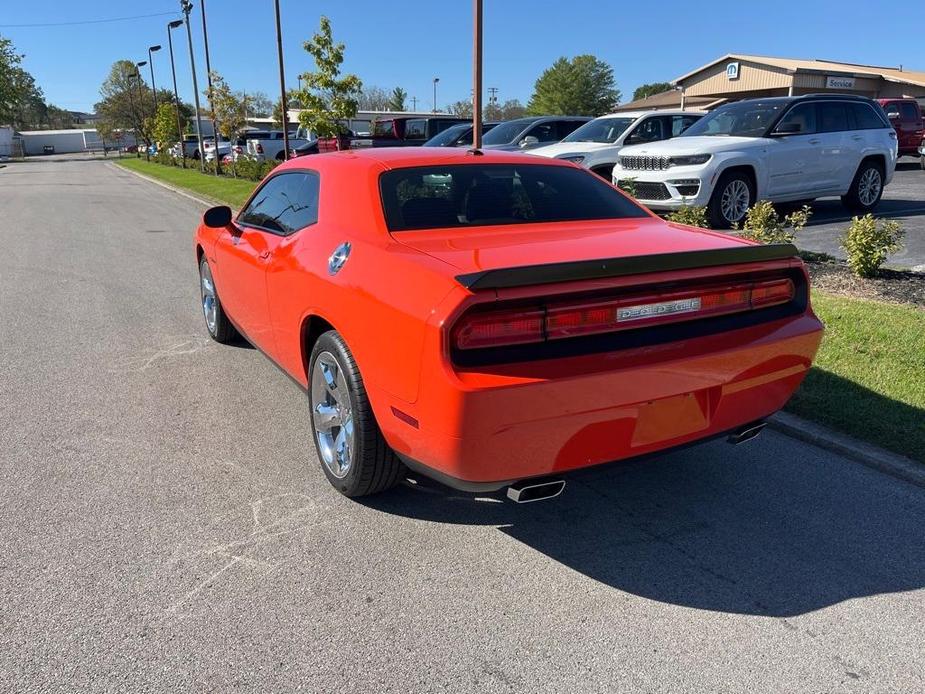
597	143
782	149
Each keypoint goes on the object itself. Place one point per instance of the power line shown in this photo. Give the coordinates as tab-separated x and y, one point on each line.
86	21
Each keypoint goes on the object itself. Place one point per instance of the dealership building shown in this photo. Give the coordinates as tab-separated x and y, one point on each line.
734	77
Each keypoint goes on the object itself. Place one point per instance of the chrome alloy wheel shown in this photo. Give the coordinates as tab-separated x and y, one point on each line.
735	201
869	186
332	415
207	290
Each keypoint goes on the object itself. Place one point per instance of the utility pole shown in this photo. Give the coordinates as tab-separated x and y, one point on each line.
284	107
151	50
176	95
436	79
185	7
205	39
141	101
476	75
414	103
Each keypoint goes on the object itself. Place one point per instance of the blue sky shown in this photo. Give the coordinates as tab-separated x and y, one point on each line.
407	44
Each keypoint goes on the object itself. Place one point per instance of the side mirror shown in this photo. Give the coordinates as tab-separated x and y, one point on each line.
792	128
217	217
529	141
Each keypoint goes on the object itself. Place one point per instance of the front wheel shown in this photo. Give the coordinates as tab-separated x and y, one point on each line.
866	188
354	455
731	199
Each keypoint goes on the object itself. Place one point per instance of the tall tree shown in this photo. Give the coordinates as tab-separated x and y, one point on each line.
397	99
164	126
327	98
126	103
20	98
462	109
373	99
582	86
510	109
644	90
228	107
259	105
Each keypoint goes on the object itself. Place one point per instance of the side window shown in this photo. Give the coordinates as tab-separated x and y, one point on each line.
833	117
865	118
650	130
800	120
567	127
284	204
416	129
910	115
544	132
681	123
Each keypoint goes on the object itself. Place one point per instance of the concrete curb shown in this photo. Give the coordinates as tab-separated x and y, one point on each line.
859	451
208	202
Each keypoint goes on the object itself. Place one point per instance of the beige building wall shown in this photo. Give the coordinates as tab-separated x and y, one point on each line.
752	77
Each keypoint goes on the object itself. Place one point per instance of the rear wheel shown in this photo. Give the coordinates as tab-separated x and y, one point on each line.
217	323
733	195
354	455
866	188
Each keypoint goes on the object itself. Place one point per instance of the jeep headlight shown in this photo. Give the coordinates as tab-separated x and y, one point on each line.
574	158
690	160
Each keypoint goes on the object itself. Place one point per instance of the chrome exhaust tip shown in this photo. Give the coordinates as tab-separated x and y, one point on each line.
746	433
525	491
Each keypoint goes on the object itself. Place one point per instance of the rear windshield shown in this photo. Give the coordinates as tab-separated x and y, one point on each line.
435	197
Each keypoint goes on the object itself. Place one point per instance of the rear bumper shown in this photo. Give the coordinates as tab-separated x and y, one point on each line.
482	428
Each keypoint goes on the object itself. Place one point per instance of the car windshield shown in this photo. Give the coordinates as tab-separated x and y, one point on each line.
448	136
504	133
604	130
468	195
744	119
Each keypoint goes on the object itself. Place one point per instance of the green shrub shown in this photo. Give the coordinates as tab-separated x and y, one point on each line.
868	243
692	215
250	169
763	224
628	186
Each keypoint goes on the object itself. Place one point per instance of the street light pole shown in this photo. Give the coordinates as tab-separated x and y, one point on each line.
176	95
141	101
477	76
205	39
436	79
185	7
153	49
284	107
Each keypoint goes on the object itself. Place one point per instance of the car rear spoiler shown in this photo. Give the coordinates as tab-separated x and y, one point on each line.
619	267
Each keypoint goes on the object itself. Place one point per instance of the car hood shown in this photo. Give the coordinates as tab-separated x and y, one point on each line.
491	248
696	144
561	148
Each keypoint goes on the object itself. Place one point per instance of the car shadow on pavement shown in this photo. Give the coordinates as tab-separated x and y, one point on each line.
773	528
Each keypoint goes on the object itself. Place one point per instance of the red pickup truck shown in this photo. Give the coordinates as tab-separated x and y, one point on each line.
906	117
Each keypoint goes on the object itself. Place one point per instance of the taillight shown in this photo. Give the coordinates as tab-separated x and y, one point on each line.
499	328
557	320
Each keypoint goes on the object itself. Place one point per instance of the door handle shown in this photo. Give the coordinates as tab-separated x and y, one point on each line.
815	141
857	137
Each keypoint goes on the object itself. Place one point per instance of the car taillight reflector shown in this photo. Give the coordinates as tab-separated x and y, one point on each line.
499	328
577	318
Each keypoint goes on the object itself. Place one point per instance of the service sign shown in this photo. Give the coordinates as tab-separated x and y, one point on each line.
839	82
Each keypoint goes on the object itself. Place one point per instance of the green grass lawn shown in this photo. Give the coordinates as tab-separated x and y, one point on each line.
230	191
869	377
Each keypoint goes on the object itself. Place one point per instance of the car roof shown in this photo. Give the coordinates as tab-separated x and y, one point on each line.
406	157
654	112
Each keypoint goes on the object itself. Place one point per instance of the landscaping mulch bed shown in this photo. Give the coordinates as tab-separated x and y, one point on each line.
894	286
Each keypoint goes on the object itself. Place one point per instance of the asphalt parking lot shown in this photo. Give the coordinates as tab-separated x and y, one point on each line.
903	200
166	527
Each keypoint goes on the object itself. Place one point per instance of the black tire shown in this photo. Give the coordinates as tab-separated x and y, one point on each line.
857	198
219	327
280	156
373	466
729	182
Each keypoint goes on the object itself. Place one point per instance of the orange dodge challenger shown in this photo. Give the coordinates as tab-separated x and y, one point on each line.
493	320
